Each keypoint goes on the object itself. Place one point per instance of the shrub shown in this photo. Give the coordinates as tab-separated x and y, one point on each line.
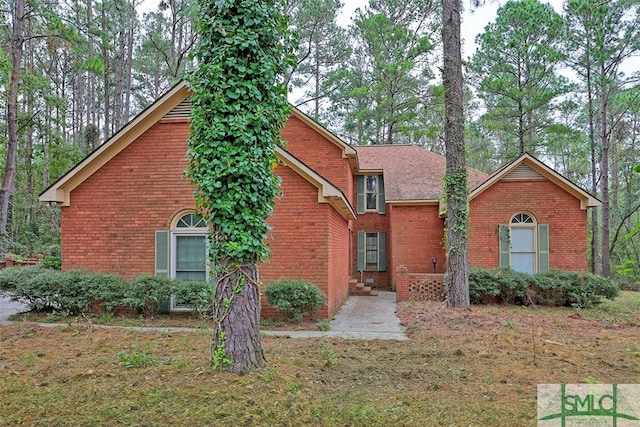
577	289
294	297
40	291
196	294
71	292
482	283
106	290
514	286
551	288
12	276
146	293
51	262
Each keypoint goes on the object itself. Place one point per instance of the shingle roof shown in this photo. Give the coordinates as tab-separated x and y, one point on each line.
410	172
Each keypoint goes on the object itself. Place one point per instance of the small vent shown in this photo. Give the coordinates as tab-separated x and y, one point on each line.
180	111
523	172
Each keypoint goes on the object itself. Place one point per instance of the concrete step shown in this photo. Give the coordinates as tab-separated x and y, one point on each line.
360	289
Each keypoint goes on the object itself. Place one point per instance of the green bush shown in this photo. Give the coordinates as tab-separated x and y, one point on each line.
12	276
297	298
146	293
576	289
551	288
104	290
514	286
70	292
196	294
482	283
52	262
41	290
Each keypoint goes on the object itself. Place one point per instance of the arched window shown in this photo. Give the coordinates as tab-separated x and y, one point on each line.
191	221
188	253
524	244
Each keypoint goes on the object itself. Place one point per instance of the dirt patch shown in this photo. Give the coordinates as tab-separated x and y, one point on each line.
474	367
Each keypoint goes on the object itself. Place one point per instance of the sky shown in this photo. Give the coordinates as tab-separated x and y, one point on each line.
473	20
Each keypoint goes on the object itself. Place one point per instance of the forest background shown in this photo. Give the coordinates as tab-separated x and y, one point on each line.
561	84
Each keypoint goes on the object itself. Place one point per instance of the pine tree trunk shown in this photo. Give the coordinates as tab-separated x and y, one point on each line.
9	176
456	175
595	254
236	320
604	180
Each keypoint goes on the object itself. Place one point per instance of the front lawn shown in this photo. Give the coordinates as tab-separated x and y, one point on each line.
475	367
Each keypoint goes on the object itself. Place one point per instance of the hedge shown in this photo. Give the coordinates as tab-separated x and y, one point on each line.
551	288
74	292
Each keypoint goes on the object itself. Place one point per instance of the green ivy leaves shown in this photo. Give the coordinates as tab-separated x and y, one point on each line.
239	107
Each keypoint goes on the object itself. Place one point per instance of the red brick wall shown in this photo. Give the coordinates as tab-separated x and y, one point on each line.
417	235
316	151
371	223
548	203
418	286
110	225
303	254
338	261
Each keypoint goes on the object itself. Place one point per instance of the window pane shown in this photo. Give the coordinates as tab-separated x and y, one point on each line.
522	219
372	202
522	240
372	251
371	184
200	276
191	221
372	192
523	262
190	254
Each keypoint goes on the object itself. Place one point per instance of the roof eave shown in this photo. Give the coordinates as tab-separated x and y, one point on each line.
327	192
347	151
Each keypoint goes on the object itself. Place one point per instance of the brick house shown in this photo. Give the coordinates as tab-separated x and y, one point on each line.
357	213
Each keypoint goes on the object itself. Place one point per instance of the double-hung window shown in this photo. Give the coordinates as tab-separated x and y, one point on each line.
371	190
372	251
370	194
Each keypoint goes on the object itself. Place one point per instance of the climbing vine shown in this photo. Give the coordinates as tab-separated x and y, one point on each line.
239	107
457	192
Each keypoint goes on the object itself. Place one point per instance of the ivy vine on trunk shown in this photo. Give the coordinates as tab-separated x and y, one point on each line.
239	106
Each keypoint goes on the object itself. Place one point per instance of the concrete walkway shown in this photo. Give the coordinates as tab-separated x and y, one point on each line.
360	317
9	308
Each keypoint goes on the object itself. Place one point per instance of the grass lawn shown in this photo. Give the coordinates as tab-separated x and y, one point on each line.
477	367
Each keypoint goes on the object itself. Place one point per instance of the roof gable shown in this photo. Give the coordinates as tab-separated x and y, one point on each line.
60	191
528	167
175	104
